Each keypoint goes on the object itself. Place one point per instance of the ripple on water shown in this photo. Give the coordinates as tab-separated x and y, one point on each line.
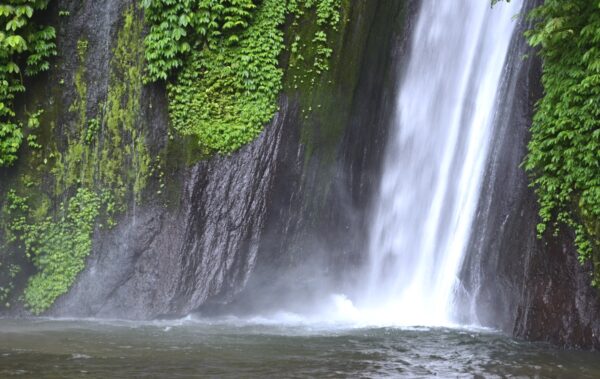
65	349
80	356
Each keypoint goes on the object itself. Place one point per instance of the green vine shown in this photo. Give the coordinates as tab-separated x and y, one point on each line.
24	50
564	152
180	27
222	62
225	95
57	246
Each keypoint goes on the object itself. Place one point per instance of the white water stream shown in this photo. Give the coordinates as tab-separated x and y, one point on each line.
434	161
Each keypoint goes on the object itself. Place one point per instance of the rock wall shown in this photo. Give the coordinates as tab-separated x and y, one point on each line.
316	230
204	229
529	287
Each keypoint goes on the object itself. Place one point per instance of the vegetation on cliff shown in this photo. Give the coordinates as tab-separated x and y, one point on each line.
86	171
57	246
221	59
564	151
25	48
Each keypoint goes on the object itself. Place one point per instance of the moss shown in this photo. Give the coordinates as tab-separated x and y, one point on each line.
69	169
327	103
80	103
109	150
104	164
313	36
123	140
322	90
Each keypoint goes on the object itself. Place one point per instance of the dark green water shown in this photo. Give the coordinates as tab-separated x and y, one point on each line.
187	349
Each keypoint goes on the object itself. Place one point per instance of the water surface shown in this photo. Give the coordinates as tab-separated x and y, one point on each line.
233	348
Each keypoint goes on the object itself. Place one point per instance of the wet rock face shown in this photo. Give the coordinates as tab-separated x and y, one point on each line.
316	230
166	259
557	303
163	263
253	216
534	289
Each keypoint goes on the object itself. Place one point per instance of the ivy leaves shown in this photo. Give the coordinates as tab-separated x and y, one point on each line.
221	59
166	44
178	27
564	152
21	41
56	246
42	47
225	95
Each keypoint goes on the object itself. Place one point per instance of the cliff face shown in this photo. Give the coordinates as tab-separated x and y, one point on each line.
286	214
192	233
316	228
529	287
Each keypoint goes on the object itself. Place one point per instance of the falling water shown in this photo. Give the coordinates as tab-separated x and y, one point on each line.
435	159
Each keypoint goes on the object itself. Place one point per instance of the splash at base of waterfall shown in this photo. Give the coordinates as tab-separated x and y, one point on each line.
338	311
391	314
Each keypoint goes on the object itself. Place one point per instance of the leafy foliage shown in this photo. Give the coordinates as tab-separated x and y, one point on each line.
24	49
327	17
564	152
56	246
222	58
74	184
225	95
8	272
180	27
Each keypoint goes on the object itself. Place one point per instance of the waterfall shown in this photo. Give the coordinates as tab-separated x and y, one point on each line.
435	158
